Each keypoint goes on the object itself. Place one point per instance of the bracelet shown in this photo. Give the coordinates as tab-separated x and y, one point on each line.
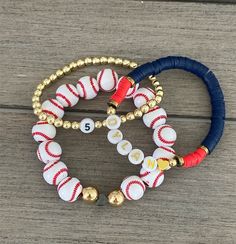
214	90
52	110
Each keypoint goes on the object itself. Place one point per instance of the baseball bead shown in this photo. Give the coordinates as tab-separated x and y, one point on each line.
113	122
155	117
164	135
149	163
136	156
87	87
43	131
114	136
87	125
49	151
152	179
53	107
67	95
124	147
130	93
69	189
142	96
133	187
164	153
107	80
54	173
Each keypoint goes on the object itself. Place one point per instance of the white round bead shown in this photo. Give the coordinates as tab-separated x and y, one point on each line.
87	125
43	131
54	173
164	135
124	147
133	187
107	80
142	96
53	107
49	151
155	117
113	122
136	156
152	179
130	93
69	189
67	95
149	163
114	136
87	87
164	153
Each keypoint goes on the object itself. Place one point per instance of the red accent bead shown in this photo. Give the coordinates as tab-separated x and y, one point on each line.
194	158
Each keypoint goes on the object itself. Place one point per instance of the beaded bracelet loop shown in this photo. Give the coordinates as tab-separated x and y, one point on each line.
57	122
214	90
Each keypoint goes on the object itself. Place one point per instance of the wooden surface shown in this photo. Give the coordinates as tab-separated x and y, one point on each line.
192	206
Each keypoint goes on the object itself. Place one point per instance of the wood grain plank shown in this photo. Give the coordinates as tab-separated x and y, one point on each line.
39	37
194	1
192	206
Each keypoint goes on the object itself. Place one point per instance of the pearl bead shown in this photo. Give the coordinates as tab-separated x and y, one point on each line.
116	198
87	125
90	194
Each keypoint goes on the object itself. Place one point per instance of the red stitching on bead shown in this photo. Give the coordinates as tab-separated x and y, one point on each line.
156	119
156	180
93	86
131	183
99	79
50	153
151	90
161	138
69	87
39	155
114	79
50	113
74	192
49	167
83	89
144	174
41	134
142	95
134	89
63	183
153	109
65	98
42	123
167	149
57	174
55	103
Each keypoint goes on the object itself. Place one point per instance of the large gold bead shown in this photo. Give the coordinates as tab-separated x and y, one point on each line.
90	194
111	110
138	113
130	116
116	198
98	124
58	122
88	61
110	60
152	103
67	125
75	125
145	108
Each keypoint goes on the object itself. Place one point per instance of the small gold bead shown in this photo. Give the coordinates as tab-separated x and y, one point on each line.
130	116
158	99
133	65
88	61
156	83
160	93
66	69
37	111
40	86
53	77
67	125
98	124
72	65
75	125
96	60
58	122
118	61
158	88
145	108
80	63
110	60
36	105
152	103
205	149
38	93
103	60
126	62
50	119
90	194
116	198
46	82
111	110
59	73
152	78
104	123
42	116
138	113
172	162
123	118
35	99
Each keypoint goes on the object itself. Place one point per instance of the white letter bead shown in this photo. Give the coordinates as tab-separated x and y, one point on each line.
53	107
69	189
133	187
67	95
136	156
43	131
164	135
149	163
142	96
107	80
87	125
152	179
113	122
54	173
164	153
114	136
49	151
124	147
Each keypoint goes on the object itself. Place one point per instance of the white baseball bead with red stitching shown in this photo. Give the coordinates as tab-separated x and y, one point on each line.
136	156
164	135
152	179
107	80
155	117
133	188
130	93
53	107
69	189
124	147
54	173
114	136
87	87
49	151
164	153
142	96
67	95
43	131
87	125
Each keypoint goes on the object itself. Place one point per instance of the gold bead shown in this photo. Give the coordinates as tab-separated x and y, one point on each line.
98	124
72	65
50	119
116	198
38	93
111	110
42	116
37	111
155	83
158	99
123	118
158	88
66	69
130	116
88	61
145	108
75	125
58	122
152	103
205	149
118	61
53	77
40	86
80	63
163	164
133	65
152	78
46	82
138	113
172	162
35	99
104	123
67	125
103	60
59	73
96	60
90	194
160	93
36	105
110	60
126	62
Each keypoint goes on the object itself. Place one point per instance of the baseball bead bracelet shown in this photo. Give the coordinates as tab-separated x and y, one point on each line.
216	96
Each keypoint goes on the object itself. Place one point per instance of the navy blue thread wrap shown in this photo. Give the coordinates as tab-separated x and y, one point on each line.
211	82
